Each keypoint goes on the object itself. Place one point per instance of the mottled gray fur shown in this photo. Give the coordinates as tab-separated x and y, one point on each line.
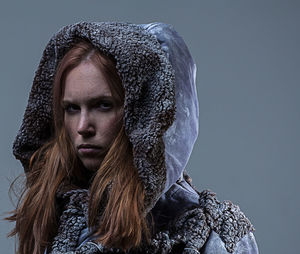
149	109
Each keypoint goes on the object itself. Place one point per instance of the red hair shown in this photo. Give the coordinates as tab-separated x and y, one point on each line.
122	223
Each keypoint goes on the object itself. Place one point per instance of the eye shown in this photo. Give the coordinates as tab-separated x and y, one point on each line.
105	105
71	108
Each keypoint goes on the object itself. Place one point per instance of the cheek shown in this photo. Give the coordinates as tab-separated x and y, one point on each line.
70	126
111	127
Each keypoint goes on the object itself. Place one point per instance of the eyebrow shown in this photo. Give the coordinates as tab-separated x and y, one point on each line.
90	101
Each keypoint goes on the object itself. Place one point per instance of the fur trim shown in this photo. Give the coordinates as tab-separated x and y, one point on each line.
186	234
148	79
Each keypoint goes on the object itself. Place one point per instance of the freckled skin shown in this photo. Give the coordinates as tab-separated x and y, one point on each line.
91	115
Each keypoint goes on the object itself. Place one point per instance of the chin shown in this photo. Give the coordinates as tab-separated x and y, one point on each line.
91	165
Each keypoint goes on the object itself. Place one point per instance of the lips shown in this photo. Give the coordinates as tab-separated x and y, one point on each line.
89	150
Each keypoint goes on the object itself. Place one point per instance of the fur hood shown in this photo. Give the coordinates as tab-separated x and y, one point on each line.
151	60
161	120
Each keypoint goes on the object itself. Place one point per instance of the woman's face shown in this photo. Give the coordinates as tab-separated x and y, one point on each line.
91	116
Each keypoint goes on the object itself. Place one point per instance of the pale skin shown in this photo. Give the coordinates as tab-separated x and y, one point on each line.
91	116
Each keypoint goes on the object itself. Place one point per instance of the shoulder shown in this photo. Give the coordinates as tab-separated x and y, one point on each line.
198	221
225	218
216	227
229	225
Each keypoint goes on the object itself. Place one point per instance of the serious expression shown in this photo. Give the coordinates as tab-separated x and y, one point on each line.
91	116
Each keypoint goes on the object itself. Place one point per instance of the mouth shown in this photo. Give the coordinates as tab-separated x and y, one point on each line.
89	150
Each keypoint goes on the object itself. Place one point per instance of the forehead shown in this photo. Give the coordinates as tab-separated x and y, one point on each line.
84	82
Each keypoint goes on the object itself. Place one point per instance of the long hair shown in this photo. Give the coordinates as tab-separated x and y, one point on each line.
115	186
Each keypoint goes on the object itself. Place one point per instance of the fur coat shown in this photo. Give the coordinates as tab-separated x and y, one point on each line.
161	120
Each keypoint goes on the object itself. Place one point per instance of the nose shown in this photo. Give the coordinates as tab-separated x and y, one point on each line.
86	127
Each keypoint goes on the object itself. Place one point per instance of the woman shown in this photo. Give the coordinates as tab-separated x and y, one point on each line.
110	124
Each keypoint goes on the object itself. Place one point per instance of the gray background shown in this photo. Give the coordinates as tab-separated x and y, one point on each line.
248	59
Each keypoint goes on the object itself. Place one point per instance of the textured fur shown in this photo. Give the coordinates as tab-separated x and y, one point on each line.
148	79
185	234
